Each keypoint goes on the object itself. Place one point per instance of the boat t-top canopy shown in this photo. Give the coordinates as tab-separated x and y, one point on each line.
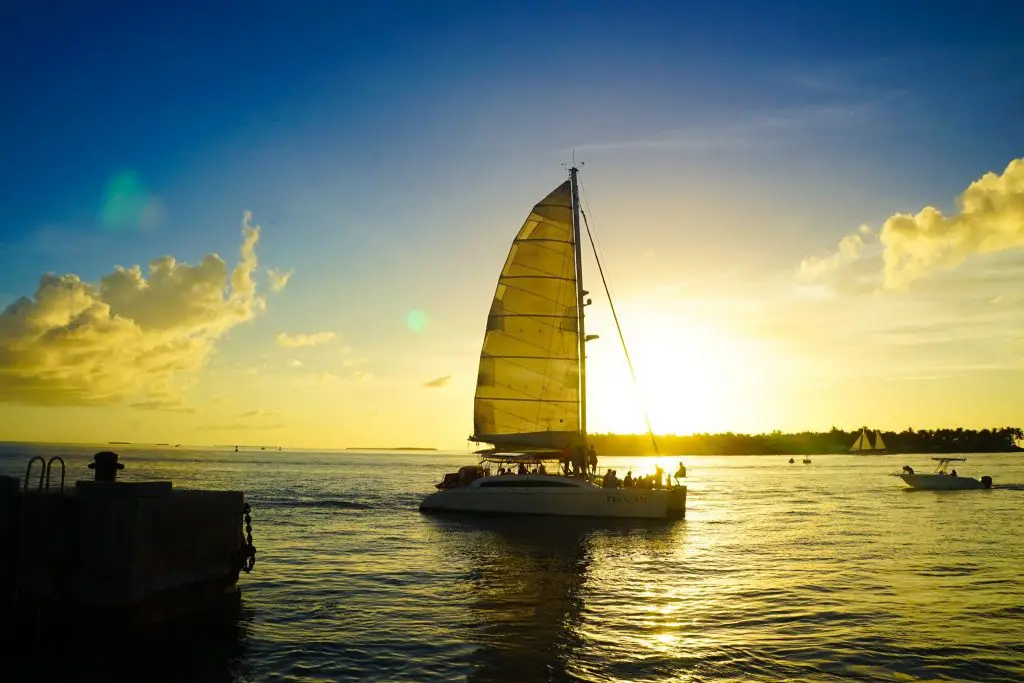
950	459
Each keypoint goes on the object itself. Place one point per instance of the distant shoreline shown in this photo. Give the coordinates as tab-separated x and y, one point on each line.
397	448
834	441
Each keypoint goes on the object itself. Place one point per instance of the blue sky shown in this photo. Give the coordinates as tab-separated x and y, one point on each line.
389	150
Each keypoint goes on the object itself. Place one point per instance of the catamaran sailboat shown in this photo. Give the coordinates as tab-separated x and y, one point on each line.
863	443
531	397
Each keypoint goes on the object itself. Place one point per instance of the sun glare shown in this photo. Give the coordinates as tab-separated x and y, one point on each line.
691	375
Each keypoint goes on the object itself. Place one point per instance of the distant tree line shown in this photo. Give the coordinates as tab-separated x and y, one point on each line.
959	440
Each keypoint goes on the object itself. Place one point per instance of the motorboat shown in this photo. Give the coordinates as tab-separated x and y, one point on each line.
943	478
530	406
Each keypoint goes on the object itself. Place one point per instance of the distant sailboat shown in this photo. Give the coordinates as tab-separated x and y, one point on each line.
531	393
863	443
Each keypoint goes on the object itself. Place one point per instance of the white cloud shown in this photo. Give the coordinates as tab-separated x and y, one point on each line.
128	337
814	268
294	363
278	278
291	341
990	220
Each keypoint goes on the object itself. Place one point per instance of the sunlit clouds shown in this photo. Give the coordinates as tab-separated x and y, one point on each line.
294	341
990	220
132	336
278	278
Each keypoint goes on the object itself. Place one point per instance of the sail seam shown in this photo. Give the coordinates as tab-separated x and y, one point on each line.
537	277
526	291
532	357
532	315
520	240
521	341
531	400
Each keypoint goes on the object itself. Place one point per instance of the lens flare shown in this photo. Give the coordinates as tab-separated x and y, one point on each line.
416	320
127	204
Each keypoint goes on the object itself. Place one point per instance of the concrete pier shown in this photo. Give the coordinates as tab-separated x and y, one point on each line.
136	551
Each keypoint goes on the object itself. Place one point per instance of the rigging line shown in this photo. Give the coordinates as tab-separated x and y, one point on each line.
595	239
622	339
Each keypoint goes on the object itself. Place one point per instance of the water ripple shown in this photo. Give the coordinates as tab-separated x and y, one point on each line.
823	572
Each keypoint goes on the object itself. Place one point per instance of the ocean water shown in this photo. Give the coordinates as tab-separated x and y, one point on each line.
819	572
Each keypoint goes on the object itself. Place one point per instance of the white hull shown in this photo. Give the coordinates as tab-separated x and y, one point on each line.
556	495
940	482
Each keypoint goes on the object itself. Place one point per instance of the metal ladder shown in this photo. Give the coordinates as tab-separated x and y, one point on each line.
45	470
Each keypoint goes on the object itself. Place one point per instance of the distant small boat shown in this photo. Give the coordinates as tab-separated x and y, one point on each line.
943	479
806	460
791	461
863	443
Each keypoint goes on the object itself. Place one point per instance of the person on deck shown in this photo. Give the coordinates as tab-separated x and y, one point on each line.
680	473
592	459
579	460
658	474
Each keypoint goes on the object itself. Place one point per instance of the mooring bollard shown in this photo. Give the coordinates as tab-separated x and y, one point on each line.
106	466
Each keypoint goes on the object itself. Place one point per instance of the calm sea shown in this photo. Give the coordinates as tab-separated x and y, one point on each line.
826	571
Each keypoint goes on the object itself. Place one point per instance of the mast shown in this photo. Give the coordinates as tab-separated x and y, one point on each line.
580	293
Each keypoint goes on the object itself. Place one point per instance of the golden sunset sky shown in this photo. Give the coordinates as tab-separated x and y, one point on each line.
297	243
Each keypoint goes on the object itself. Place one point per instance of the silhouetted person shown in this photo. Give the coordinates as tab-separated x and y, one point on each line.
680	473
628	481
953	473
658	474
579	460
592	459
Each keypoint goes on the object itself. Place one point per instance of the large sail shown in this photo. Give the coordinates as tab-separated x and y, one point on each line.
862	443
527	393
879	444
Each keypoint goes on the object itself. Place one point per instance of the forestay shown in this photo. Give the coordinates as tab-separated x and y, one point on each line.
527	392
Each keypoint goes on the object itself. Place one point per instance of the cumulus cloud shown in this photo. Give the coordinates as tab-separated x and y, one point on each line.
989	220
814	268
291	341
438	382
294	363
129	337
278	278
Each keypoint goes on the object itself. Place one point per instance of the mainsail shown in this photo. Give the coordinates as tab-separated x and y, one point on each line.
862	443
528	385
